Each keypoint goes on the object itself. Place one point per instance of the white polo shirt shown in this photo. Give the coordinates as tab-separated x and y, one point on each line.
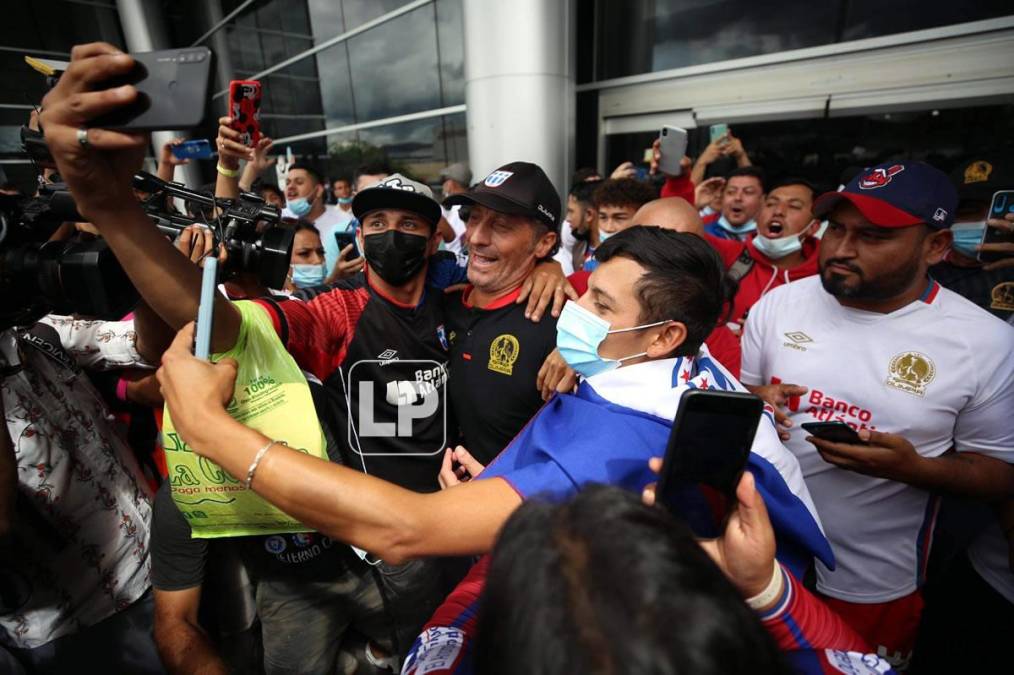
938	372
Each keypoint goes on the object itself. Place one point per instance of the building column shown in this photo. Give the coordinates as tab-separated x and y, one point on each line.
519	85
144	30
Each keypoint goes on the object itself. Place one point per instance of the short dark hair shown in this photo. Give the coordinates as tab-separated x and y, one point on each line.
312	172
261	186
303	224
684	279
370	169
751	171
584	173
621	587
584	191
794	180
342	179
623	192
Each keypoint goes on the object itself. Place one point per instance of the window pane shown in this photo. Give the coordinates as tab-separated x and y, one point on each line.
450	31
394	67
358	12
639	36
326	19
414	148
870	18
335	90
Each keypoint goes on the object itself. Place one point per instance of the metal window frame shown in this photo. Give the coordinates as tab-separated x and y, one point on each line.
397	119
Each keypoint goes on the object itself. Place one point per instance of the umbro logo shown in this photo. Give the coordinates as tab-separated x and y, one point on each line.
387	354
798	338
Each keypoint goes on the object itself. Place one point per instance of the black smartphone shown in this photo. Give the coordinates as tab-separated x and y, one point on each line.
1001	205
708	449
344	239
172	90
836	432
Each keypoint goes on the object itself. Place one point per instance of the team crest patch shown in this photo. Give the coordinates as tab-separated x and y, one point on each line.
978	172
497	178
503	352
1002	296
911	372
879	177
275	544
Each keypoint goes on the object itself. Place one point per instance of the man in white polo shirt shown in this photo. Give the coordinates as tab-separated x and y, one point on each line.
918	370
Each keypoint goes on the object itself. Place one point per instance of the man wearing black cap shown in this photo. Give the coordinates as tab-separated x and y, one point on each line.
496	351
922	375
989	285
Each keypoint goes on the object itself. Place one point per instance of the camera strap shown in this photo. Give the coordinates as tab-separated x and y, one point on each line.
45	339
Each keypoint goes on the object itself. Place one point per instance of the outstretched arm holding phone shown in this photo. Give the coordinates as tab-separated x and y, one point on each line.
98	166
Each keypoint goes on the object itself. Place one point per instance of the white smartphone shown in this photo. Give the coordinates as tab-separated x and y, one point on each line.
673	146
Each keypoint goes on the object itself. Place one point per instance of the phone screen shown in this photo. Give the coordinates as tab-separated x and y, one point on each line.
708	450
1001	205
344	239
718	131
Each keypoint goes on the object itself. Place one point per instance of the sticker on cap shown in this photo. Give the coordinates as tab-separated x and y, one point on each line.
940	215
394	183
879	177
497	178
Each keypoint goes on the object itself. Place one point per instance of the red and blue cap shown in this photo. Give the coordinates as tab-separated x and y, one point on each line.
897	194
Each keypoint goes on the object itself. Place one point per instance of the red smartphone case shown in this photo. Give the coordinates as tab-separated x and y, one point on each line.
245	109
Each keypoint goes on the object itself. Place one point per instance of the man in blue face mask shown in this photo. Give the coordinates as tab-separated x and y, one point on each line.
305	199
989	286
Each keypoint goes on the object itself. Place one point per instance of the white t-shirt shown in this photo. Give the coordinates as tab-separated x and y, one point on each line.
453	218
938	372
565	256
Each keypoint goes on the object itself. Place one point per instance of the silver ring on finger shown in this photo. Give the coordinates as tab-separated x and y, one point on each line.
82	137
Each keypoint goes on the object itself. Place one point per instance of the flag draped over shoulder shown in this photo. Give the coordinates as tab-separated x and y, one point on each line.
607	431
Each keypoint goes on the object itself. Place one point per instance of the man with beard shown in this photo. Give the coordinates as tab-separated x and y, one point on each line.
922	374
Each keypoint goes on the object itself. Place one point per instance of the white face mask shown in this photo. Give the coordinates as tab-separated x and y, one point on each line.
776	249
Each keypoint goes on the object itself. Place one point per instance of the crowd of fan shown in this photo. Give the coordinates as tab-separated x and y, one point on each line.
564	334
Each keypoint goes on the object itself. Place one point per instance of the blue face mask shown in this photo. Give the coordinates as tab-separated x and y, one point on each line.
345	200
748	226
307	276
966	237
579	333
299	207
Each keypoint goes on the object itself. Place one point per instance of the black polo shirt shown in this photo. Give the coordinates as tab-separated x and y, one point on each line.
993	291
496	354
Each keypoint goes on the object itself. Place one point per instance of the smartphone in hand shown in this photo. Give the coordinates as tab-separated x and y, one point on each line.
718	132
836	432
172	91
672	148
707	452
344	239
245	109
1001	205
195	149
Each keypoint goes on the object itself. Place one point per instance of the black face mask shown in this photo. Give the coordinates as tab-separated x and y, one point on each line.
395	256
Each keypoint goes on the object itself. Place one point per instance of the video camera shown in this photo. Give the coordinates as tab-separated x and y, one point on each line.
82	276
250	229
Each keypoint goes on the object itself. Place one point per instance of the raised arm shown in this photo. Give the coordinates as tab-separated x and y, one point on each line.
380	517
98	166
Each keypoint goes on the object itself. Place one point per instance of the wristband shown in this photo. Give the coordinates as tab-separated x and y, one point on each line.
256	461
121	389
770	593
227	172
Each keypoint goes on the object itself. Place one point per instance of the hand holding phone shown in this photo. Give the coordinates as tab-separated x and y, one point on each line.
172	90
672	148
707	452
719	132
1000	208
245	110
835	432
195	149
